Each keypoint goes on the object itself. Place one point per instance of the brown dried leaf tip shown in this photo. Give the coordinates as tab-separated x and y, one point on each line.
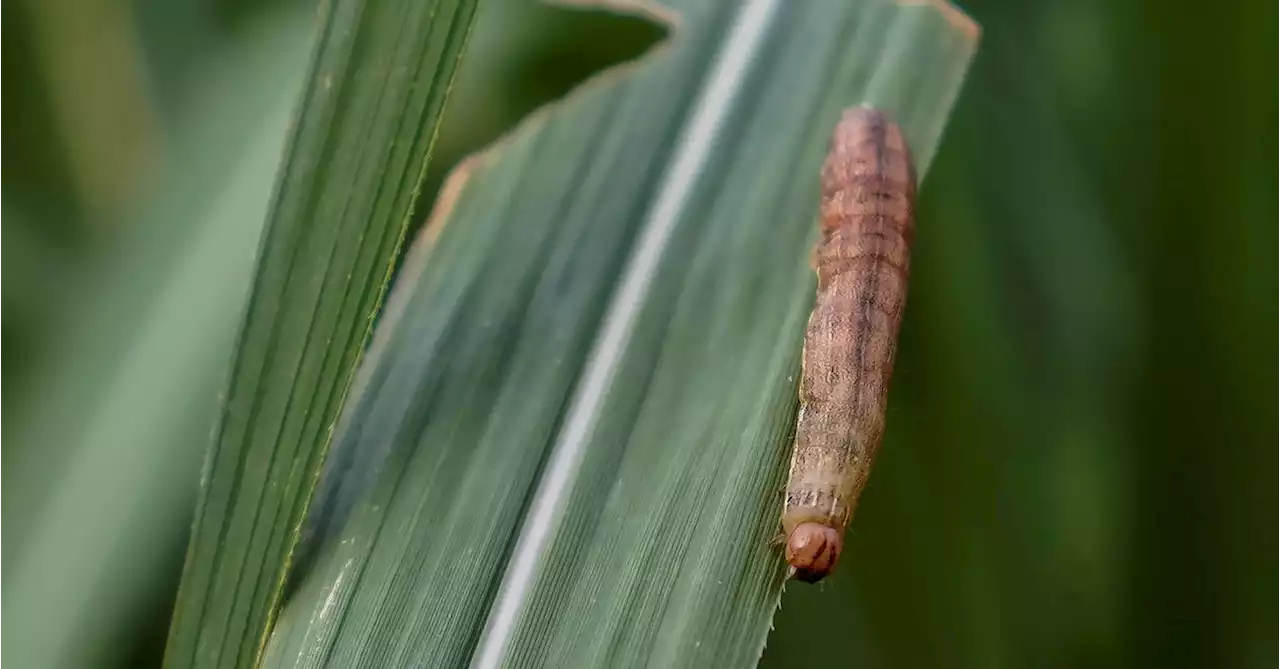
863	261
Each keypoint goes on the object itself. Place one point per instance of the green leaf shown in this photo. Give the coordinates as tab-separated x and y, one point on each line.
570	439
347	185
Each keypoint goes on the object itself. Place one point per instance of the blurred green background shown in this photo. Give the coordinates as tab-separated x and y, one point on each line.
1077	471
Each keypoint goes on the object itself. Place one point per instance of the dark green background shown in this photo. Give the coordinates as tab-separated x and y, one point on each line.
1078	465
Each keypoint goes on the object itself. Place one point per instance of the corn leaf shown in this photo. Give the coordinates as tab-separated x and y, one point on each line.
347	185
568	444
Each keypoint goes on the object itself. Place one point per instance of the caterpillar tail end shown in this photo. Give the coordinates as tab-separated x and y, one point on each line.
812	551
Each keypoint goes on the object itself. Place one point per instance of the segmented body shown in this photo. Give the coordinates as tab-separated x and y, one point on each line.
863	262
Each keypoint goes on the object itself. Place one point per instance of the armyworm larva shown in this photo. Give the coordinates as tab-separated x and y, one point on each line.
863	261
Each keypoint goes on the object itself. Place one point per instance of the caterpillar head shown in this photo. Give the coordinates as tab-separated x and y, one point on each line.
812	551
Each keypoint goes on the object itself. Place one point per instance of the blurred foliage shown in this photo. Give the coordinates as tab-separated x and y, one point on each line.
1079	455
109	432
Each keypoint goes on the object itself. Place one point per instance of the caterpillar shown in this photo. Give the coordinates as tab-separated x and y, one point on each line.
862	260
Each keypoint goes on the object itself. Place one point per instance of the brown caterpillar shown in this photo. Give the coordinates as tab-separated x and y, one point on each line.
863	261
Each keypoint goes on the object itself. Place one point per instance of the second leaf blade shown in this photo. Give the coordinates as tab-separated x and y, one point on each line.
346	189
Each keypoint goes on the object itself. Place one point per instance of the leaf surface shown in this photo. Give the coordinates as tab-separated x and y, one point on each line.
345	191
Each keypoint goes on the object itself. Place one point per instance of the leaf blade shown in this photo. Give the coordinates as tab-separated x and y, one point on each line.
359	147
